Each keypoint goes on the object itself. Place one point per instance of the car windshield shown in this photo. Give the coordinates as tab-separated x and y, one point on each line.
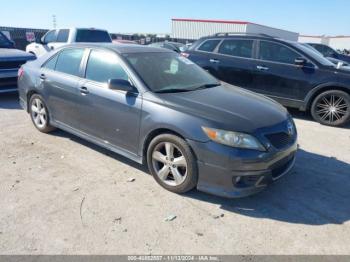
167	72
314	54
93	36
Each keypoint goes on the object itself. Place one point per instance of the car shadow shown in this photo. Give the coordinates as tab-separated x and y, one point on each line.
99	149
316	192
9	101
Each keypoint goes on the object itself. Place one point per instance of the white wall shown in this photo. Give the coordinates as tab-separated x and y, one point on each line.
196	30
334	42
260	29
340	43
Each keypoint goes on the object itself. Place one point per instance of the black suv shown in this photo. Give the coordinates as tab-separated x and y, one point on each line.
284	70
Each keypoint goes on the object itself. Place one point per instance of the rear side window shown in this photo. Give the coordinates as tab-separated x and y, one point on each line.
69	61
3	41
51	64
277	53
88	35
103	66
62	36
240	48
209	45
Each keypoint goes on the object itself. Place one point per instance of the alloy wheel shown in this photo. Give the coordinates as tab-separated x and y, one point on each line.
39	113
332	108
169	163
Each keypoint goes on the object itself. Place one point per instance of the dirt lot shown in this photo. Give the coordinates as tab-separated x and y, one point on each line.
62	195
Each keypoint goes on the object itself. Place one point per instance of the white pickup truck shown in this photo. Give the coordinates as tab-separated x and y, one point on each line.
59	37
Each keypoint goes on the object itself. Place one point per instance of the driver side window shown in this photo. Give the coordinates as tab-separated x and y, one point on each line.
275	52
103	66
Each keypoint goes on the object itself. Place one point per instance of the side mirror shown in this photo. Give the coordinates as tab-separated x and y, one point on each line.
300	62
120	84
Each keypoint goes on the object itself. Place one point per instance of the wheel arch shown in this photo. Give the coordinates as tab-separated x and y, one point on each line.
323	88
29	94
154	133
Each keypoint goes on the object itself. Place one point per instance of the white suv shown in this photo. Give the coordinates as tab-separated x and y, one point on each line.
59	37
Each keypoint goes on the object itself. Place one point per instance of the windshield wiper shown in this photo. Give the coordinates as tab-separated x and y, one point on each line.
205	86
173	90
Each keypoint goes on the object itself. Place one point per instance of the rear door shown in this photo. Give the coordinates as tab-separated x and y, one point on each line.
233	62
201	55
277	75
60	77
110	115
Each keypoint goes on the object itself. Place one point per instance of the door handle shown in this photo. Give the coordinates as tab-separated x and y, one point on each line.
262	68
215	61
52	48
83	90
42	76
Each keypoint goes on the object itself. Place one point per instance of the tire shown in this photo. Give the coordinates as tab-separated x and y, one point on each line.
40	114
331	108
181	162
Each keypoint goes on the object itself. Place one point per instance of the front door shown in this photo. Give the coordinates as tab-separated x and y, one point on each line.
276	74
109	115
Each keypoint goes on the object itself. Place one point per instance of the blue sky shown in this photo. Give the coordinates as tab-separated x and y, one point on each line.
331	17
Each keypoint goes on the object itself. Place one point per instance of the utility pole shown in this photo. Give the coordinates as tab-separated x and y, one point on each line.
54	21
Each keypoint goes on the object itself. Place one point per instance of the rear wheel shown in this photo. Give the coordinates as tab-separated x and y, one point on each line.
331	108
39	114
172	163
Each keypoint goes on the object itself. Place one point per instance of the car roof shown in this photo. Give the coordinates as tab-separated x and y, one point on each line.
120	48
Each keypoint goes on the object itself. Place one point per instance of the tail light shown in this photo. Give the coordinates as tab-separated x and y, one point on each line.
20	72
185	54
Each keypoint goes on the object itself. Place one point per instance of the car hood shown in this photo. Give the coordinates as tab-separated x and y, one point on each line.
7	54
229	107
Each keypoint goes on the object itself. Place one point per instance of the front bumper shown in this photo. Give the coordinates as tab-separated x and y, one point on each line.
233	173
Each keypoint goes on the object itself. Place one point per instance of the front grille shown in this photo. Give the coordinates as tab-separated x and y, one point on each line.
11	64
280	140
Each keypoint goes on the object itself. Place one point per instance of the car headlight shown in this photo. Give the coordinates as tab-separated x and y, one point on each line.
234	139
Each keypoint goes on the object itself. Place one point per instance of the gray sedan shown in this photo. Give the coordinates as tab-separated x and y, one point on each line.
157	107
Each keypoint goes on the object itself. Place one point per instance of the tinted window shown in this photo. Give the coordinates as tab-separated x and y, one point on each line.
88	35
209	45
50	37
169	72
241	48
51	64
277	53
63	36
103	66
69	61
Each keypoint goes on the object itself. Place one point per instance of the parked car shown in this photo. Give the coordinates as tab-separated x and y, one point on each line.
174	46
10	61
157	107
335	61
330	52
60	37
284	70
5	42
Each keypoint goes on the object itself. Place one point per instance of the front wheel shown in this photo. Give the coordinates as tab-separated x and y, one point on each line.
331	108
172	163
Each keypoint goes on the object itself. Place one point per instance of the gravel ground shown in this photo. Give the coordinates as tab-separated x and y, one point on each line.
62	195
